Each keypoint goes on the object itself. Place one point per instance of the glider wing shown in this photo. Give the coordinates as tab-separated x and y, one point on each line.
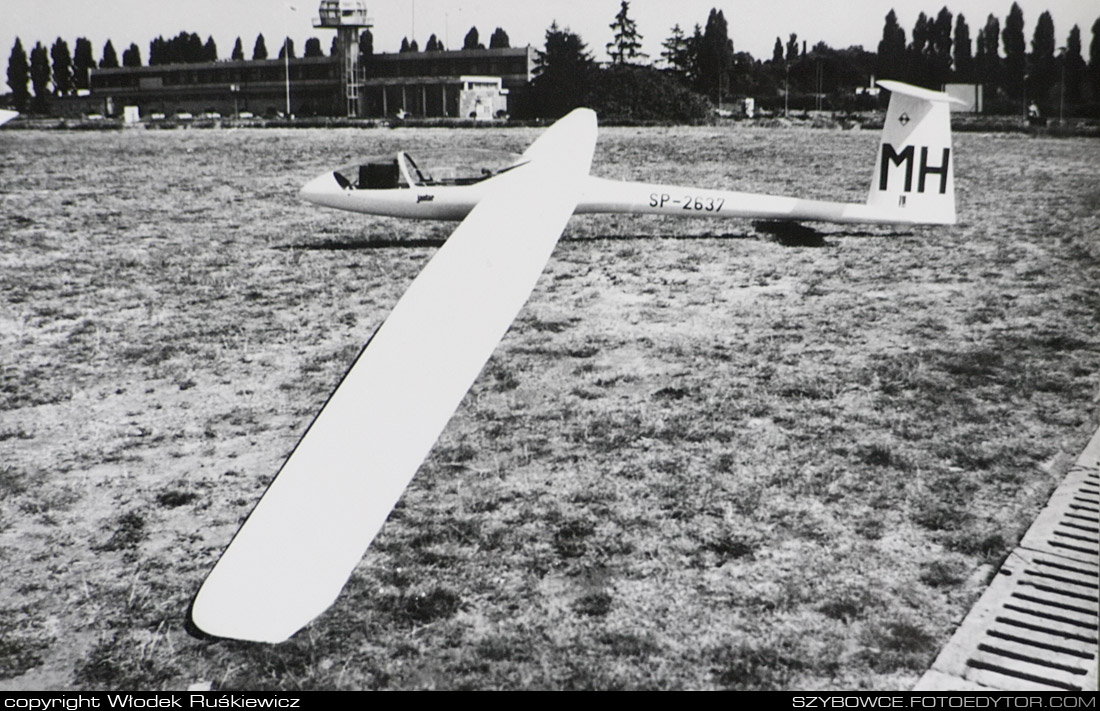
298	547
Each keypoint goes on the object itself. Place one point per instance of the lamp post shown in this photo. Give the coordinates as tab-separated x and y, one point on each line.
787	89
286	59
1062	88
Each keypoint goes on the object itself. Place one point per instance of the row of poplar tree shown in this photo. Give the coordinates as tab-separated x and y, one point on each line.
940	51
57	72
692	67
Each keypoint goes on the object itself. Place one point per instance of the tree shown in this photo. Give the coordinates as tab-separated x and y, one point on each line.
634	92
1073	65
714	56
777	51
313	48
987	61
1094	60
110	57
366	44
562	73
433	45
238	51
627	43
184	48
210	50
792	47
964	60
83	63
918	52
131	57
677	54
413	46
62	67
259	50
471	40
40	78
18	76
1015	62
404	45
157	51
498	40
1044	71
891	50
287	48
939	48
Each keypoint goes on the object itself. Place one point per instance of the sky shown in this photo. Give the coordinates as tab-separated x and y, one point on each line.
753	25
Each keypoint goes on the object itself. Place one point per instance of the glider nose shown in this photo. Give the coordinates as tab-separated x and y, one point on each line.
321	189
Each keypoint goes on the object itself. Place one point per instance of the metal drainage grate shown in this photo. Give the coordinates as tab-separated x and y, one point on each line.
1035	627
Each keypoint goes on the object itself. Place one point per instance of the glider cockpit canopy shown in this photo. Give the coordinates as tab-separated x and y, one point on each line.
429	168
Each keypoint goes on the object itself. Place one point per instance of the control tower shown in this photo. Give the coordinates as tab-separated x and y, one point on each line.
348	18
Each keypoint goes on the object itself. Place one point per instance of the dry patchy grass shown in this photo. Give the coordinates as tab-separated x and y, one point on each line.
705	455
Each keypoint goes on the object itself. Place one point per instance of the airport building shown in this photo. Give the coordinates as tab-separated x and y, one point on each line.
479	83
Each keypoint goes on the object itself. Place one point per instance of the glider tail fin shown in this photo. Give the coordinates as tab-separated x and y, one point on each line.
914	171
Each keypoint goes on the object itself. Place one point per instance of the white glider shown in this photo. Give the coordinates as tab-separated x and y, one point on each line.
295	552
912	183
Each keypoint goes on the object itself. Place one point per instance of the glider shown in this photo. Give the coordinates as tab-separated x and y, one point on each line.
294	553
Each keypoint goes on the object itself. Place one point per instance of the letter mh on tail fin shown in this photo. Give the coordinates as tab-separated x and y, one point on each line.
913	173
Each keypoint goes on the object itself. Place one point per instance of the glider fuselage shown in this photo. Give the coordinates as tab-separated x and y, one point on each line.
598	195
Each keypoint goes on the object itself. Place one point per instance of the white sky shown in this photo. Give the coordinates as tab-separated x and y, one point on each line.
753	25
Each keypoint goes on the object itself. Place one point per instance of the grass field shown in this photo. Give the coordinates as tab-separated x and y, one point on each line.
705	456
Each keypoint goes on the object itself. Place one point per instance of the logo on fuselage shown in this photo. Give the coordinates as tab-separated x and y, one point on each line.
907	156
424	198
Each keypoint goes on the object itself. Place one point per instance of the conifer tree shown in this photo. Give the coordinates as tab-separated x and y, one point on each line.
1094	61
131	57
627	43
891	49
110	57
1074	67
1044	72
917	53
472	41
987	61
498	40
562	71
40	78
714	56
18	76
313	48
939	48
677	53
259	50
62	65
238	51
83	63
1015	61
964	59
